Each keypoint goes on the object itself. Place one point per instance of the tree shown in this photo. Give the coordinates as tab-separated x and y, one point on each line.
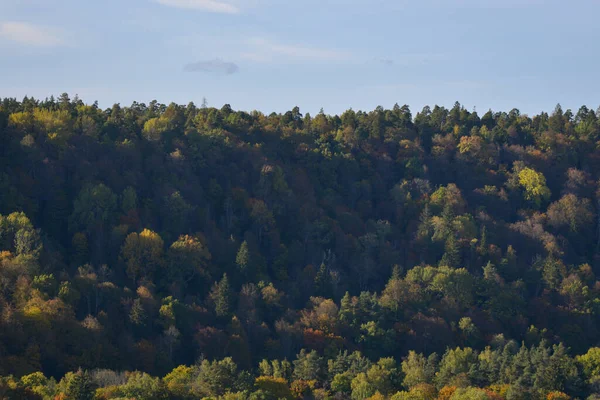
93	211
323	281
534	184
308	366
188	257
342	383
455	284
140	385
217	377
455	366
80	386
137	315
154	128
276	388
179	381
472	393
38	384
242	258
590	362
469	330
129	200
262	216
221	297
384	375
571	213
142	254
361	388
452	256
418	369
18	235
398	293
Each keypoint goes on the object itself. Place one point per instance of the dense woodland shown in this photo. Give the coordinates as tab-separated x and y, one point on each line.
184	252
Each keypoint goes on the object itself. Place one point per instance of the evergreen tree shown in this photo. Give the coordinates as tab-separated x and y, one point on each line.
345	314
451	257
242	258
221	297
81	386
323	281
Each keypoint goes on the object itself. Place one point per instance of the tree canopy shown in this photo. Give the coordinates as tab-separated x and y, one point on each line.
158	251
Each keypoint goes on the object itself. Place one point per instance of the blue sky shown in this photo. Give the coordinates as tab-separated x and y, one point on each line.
271	55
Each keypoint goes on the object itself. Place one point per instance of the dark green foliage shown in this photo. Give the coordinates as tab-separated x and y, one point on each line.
80	386
221	296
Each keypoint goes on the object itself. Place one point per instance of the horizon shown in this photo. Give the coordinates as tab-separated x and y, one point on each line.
207	104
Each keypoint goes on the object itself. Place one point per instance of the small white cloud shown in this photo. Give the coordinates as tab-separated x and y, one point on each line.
216	66
203	5
264	50
31	35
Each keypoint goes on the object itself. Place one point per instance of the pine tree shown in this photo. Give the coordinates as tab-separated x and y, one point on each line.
308	366
221	296
425	227
81	387
396	272
323	281
483	241
448	214
243	257
489	272
451	257
345	314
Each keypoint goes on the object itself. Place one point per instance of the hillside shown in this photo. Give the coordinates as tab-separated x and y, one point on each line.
364	255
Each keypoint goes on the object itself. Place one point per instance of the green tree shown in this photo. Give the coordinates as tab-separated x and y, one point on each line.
242	258
342	383
361	387
590	362
217	377
140	385
80	386
308	366
456	366
221	297
323	281
418	369
451	257
93	211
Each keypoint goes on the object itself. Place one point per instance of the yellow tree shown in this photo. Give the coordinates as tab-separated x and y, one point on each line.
142	253
534	184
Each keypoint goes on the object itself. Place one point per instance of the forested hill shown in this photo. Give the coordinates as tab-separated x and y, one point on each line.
234	254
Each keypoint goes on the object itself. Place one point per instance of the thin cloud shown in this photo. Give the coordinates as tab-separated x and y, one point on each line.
408	60
214	6
31	35
216	66
264	50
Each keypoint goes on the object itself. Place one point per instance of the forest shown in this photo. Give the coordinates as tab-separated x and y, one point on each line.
188	252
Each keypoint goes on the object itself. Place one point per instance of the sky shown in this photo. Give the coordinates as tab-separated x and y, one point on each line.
272	55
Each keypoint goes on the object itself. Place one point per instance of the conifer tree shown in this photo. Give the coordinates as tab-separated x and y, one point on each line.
81	387
221	297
